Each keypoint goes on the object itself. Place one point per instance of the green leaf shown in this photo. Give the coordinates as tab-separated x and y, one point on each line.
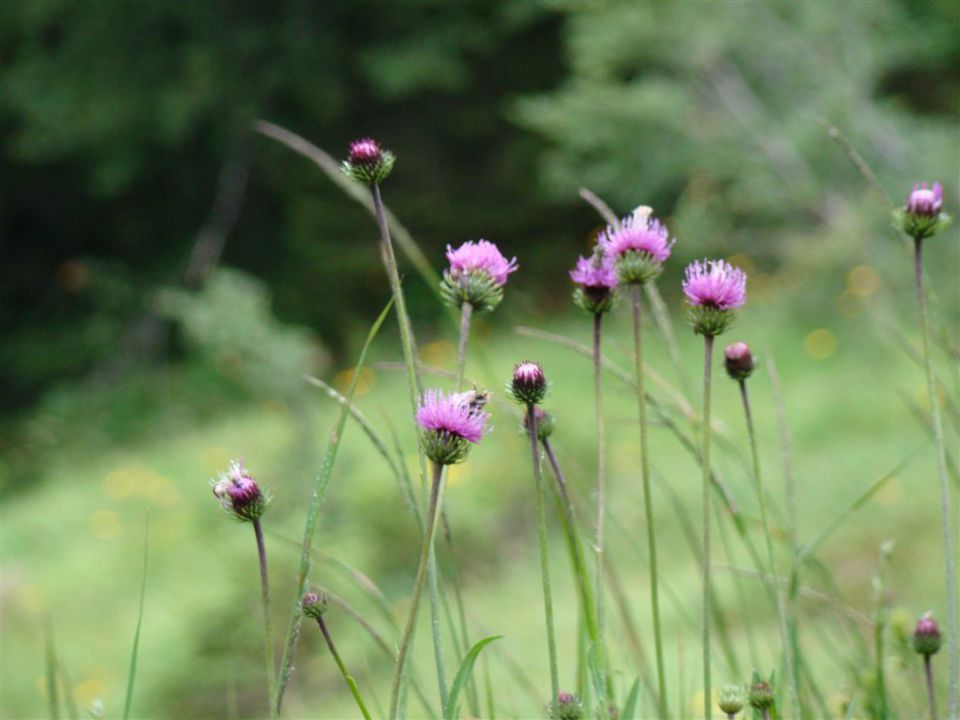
131	676
463	674
630	706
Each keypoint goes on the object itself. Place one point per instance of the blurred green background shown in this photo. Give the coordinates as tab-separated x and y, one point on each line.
167	275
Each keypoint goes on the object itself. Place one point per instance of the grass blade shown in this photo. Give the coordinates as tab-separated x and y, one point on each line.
131	676
463	674
630	706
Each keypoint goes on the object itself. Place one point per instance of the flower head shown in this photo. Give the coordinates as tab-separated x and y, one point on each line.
731	699
596	279
239	493
477	273
760	694
926	637
739	361
714	289
924	200
569	707
544	420
367	162
923	215
313	605
528	385
638	247
449	423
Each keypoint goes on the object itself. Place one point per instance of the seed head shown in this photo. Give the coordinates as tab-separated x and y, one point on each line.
367	162
927	638
528	385
739	361
239	493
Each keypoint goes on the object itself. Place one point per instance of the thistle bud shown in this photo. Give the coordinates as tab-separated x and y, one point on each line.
922	216
528	385
927	638
731	699
545	423
738	360
569	707
239	493
313	605
761	695
367	162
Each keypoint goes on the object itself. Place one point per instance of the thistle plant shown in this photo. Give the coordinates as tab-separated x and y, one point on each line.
528	387
638	246
241	497
731	700
714	290
566	707
449	426
761	695
926	642
315	606
922	217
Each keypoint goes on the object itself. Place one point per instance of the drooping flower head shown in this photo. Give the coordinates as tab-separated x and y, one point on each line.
714	290
731	699
638	247
926	637
449	423
239	493
569	707
313	605
545	423
477	273
739	361
528	384
923	214
367	162
596	279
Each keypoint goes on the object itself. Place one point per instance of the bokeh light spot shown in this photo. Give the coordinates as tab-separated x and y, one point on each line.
438	354
820	344
863	281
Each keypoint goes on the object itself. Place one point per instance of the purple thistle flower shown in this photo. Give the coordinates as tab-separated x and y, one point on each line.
449	423
367	162
595	272
716	284
239	493
365	151
924	200
640	233
480	256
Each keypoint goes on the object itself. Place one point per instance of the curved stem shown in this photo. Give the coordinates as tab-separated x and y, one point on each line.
544	560
928	672
648	499
946	517
425	552
771	558
351	683
268	623
705	559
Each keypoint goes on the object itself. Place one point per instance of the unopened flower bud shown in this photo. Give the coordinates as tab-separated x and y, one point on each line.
239	493
313	605
569	707
528	385
923	215
761	695
545	423
738	360
367	162
927	638
731	699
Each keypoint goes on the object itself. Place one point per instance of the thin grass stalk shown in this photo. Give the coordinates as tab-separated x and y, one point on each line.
267	620
953	633
705	500
433	592
436	490
879	634
662	704
351	683
793	691
720	621
629	623
544	559
132	674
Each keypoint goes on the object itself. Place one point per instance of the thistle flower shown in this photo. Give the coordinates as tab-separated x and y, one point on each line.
596	279
714	290
639	246
477	273
449	423
313	605
239	493
569	707
926	637
731	699
545	423
922	216
367	162
528	385
738	361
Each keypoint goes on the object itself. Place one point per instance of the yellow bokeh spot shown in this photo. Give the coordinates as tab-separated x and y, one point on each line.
456	474
862	281
437	354
122	483
88	691
820	344
890	493
366	382
105	525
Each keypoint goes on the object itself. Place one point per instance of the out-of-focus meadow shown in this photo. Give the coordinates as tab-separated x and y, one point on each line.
169	276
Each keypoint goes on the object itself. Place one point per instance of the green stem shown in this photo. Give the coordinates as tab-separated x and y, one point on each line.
648	499
771	557
433	584
544	560
466	313
953	648
601	497
351	683
425	552
705	559
931	695
268	623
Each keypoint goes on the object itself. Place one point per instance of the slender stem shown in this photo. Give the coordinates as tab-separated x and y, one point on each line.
771	557
705	558
601	485
268	623
946	518
544	560
928	671
433	584
648	499
351	683
466	313
425	551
